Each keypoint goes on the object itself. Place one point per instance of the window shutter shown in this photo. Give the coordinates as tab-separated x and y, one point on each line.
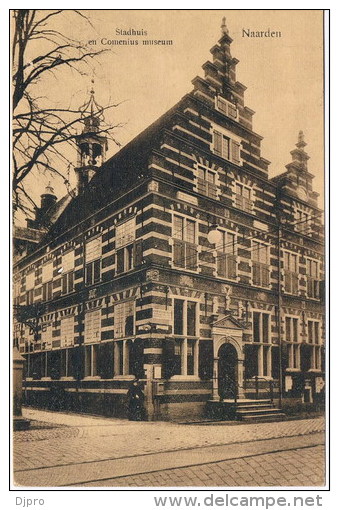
64	284
191	257
221	266
168	358
265	277
235	151
138	253
89	274
120	261
179	253
217	142
231	266
97	270
256	273
205	359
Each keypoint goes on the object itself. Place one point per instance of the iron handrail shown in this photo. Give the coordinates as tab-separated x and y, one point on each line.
234	385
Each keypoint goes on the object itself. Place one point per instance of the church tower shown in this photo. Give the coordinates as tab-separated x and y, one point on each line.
92	145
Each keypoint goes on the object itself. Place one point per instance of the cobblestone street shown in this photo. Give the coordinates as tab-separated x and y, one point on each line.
73	450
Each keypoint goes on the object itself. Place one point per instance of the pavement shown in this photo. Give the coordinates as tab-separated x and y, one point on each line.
67	450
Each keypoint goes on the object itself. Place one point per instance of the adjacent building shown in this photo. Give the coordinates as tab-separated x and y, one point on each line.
181	262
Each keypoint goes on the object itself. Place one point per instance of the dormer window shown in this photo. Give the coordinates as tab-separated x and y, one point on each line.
227	108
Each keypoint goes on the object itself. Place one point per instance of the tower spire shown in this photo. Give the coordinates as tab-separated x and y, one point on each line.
91	145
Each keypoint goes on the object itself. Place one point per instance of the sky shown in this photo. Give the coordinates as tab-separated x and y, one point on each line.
283	76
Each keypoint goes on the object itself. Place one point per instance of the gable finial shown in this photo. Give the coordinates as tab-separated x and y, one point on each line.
224	29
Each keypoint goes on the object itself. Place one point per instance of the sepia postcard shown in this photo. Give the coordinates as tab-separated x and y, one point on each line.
168	260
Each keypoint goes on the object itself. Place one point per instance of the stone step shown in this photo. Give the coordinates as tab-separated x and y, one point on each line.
271	410
264	417
267	407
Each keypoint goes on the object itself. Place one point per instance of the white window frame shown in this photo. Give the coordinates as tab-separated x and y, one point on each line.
124	304
216	182
233	139
128	238
314	278
219	252
262	264
263	345
92	348
293	345
287	270
184	240
250	199
184	339
316	347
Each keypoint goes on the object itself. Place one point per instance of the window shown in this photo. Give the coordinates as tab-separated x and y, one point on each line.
260	264
30	297
262	351
93	249
312	277
313	334
226	256
47	291
185	360
129	251
225	147
67	261
184	243
67	331
93	326
67	283
227	108
46	335
47	272
207	182
93	272
30	280
125	233
243	197
124	319
93	261
91	360
291	281
292	338
303	222
261	331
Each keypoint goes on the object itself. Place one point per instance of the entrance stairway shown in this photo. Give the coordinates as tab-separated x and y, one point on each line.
244	410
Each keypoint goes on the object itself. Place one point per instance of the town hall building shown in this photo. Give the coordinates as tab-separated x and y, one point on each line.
180	261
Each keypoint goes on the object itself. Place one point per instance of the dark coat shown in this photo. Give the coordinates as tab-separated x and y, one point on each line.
136	398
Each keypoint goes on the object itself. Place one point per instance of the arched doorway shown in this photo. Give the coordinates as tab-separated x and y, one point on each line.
227	371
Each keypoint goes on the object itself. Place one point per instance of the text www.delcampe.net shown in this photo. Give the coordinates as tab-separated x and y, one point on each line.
234	501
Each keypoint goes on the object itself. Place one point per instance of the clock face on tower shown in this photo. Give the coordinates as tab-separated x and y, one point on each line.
301	192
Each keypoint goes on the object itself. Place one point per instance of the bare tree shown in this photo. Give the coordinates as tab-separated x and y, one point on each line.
42	132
